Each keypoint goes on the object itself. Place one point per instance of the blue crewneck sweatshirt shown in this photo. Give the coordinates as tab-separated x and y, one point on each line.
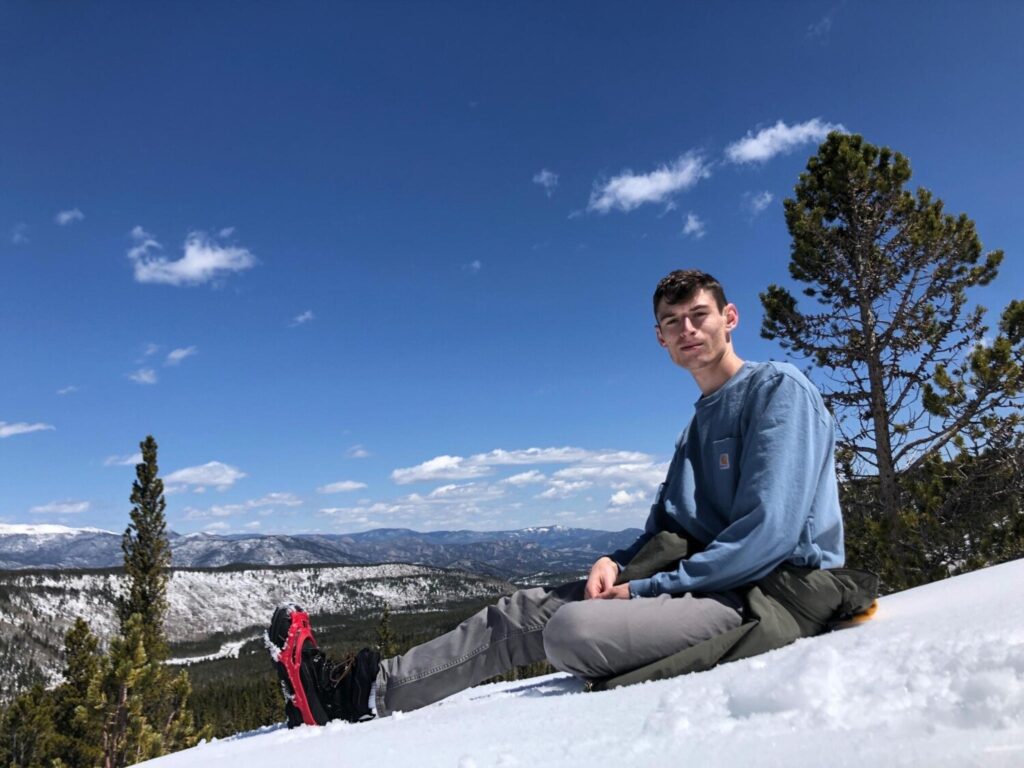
753	479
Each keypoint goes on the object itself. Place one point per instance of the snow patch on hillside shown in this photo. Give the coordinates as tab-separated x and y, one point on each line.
936	679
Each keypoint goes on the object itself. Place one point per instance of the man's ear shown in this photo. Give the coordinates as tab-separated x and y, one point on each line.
732	317
657	332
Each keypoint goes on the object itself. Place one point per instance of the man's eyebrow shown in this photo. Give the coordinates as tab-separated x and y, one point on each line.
691	310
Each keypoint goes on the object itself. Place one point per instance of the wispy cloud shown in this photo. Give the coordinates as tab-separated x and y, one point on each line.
357	451
821	28
547	179
175	356
226	232
213	474
203	260
123	461
526	478
275	500
756	202
151	349
778	139
22	428
474	266
301	319
63	218
481	464
143	376
342	486
470	492
694	227
19	234
563	489
440	468
629	190
627	499
263	505
67	390
61	508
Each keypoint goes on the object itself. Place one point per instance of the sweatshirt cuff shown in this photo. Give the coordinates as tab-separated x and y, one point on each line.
641	588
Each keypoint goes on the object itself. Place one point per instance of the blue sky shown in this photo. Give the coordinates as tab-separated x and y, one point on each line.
389	264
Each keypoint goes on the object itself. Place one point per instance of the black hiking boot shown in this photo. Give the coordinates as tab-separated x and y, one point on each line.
316	689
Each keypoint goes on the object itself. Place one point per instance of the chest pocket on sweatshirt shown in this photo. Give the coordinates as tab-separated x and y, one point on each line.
723	471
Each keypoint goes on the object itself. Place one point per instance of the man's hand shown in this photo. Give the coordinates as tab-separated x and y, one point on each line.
601	582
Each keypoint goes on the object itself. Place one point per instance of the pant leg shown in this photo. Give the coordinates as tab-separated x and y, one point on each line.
600	638
492	641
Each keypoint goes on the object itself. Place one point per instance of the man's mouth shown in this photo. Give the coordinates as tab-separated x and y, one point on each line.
687	347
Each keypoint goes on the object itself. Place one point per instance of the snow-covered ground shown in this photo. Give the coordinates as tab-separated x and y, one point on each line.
935	679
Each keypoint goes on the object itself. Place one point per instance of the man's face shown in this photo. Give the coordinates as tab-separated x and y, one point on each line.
695	332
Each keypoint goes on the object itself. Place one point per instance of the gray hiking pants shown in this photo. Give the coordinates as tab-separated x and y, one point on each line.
586	638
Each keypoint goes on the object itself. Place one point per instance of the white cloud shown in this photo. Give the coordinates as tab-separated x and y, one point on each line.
465	492
175	356
22	428
63	218
756	202
275	500
778	139
439	468
19	234
61	508
342	486
694	227
151	349
563	489
628	190
305	317
143	376
626	499
646	474
216	527
481	464
253	525
226	232
214	474
820	29
474	266
526	478
123	461
228	510
357	452
67	390
546	179
203	260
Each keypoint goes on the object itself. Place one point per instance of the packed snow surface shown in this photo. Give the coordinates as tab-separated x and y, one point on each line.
935	679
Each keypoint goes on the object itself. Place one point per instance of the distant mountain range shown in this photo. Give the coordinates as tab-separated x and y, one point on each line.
504	554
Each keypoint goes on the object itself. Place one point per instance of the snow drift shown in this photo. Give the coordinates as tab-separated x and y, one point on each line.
935	679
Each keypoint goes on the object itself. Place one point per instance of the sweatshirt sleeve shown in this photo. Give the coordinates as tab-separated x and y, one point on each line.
788	443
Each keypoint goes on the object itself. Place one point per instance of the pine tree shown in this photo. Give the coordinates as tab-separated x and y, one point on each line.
28	738
387	643
912	376
147	555
139	709
116	701
79	735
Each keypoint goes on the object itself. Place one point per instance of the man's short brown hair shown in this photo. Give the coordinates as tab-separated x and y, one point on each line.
683	284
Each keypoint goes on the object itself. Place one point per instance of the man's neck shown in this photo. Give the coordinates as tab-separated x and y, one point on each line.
710	379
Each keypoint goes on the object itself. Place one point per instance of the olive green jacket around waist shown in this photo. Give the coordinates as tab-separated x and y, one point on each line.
787	604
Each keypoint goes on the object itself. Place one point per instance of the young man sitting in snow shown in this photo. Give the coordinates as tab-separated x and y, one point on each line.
746	517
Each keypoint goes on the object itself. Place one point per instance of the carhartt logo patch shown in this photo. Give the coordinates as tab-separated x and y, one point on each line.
723	461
